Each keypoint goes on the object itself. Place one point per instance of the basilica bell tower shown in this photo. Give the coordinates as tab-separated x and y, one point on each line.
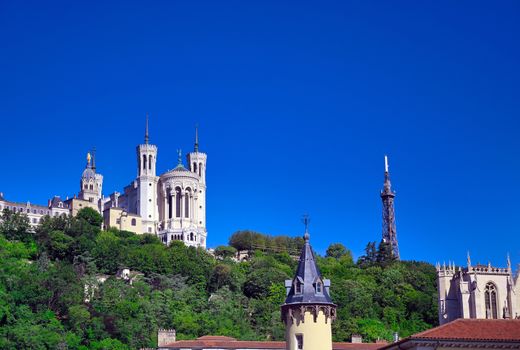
147	183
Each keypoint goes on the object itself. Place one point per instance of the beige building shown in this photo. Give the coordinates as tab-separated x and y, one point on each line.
122	220
477	291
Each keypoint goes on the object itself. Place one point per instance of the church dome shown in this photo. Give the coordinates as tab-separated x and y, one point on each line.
88	174
180	167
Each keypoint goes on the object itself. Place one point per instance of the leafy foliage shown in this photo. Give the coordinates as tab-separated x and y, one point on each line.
59	290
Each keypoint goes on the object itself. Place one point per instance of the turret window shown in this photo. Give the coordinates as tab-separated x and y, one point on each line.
150	163
297	287
319	288
490	297
144	161
299	341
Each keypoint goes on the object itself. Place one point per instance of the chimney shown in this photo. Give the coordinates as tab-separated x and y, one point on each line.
356	339
396	337
165	336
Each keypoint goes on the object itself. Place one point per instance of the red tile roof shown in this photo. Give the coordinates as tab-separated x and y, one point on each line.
222	342
468	330
474	329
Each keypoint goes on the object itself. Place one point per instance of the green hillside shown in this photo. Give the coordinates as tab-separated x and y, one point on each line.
46	275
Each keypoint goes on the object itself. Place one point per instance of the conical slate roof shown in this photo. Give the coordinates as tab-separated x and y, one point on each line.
308	276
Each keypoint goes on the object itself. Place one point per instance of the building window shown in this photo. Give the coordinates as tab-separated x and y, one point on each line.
144	161
297	287
34	220
170	209
318	288
150	163
118	221
133	222
149	230
299	341
34	211
187	204
178	202
490	296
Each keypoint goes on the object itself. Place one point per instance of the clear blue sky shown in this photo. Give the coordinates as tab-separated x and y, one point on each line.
297	104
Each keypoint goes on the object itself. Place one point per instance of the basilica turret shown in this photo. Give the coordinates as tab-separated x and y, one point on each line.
146	205
90	184
308	310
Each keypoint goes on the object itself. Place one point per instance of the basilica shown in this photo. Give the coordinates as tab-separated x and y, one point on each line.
171	205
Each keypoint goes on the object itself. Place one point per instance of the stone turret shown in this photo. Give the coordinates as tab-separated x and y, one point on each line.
308	310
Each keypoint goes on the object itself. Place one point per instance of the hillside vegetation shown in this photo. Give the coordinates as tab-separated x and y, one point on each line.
46	275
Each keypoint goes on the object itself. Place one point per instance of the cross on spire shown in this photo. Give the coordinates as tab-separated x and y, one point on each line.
306	221
179	155
146	137
196	137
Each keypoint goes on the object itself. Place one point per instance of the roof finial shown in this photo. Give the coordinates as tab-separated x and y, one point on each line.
94	158
386	163
306	221
146	138
469	260
179	154
89	157
196	137
508	262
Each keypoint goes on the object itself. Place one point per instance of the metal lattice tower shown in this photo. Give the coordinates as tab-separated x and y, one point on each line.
389	230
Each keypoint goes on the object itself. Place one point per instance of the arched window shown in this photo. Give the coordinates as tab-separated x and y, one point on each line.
170	209
178	198
150	163
490	296
134	222
200	169
144	161
187	203
91	186
195	167
191	236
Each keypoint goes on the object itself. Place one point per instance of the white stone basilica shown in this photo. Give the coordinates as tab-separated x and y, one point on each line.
171	205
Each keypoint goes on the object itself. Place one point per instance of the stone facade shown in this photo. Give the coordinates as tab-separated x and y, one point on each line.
480	292
171	205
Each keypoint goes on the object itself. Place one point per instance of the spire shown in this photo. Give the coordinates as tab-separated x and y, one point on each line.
196	147
303	287
146	138
306	221
179	156
469	260
93	158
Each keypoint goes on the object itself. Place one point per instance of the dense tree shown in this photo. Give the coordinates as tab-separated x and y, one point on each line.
58	287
